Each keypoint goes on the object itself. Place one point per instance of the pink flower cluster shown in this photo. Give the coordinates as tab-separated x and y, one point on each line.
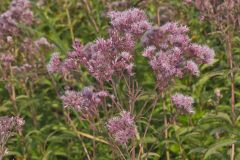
25	68
19	12
54	64
133	21
6	59
8	125
122	128
183	103
32	47
171	54
105	58
86	102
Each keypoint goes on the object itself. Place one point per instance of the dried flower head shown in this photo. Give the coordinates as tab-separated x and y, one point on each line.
183	103
122	128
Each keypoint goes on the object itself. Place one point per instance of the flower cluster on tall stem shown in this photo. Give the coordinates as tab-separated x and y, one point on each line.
183	103
122	127
109	57
8	125
19	12
86	102
171	53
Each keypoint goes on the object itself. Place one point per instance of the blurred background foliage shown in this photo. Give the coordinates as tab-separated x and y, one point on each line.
47	133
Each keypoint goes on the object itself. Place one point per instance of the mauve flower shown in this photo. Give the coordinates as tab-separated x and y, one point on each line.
183	103
169	34
203	53
18	12
54	64
122	127
124	42
192	67
23	4
25	68
43	43
171	53
8	125
149	51
133	21
6	58
27	17
103	59
113	56
68	65
86	102
166	66
29	47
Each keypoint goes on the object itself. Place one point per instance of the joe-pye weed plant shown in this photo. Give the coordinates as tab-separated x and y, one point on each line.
112	105
135	93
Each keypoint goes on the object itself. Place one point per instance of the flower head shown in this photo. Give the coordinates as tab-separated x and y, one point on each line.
183	103
103	59
54	64
122	128
18	12
8	125
202	53
171	53
192	67
133	21
85	102
6	58
42	43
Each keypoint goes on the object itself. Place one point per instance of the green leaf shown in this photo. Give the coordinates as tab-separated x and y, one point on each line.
213	148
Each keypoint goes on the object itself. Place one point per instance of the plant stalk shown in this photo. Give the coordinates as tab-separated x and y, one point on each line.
165	125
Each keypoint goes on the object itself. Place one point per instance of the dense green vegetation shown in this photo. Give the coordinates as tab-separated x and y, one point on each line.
56	133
